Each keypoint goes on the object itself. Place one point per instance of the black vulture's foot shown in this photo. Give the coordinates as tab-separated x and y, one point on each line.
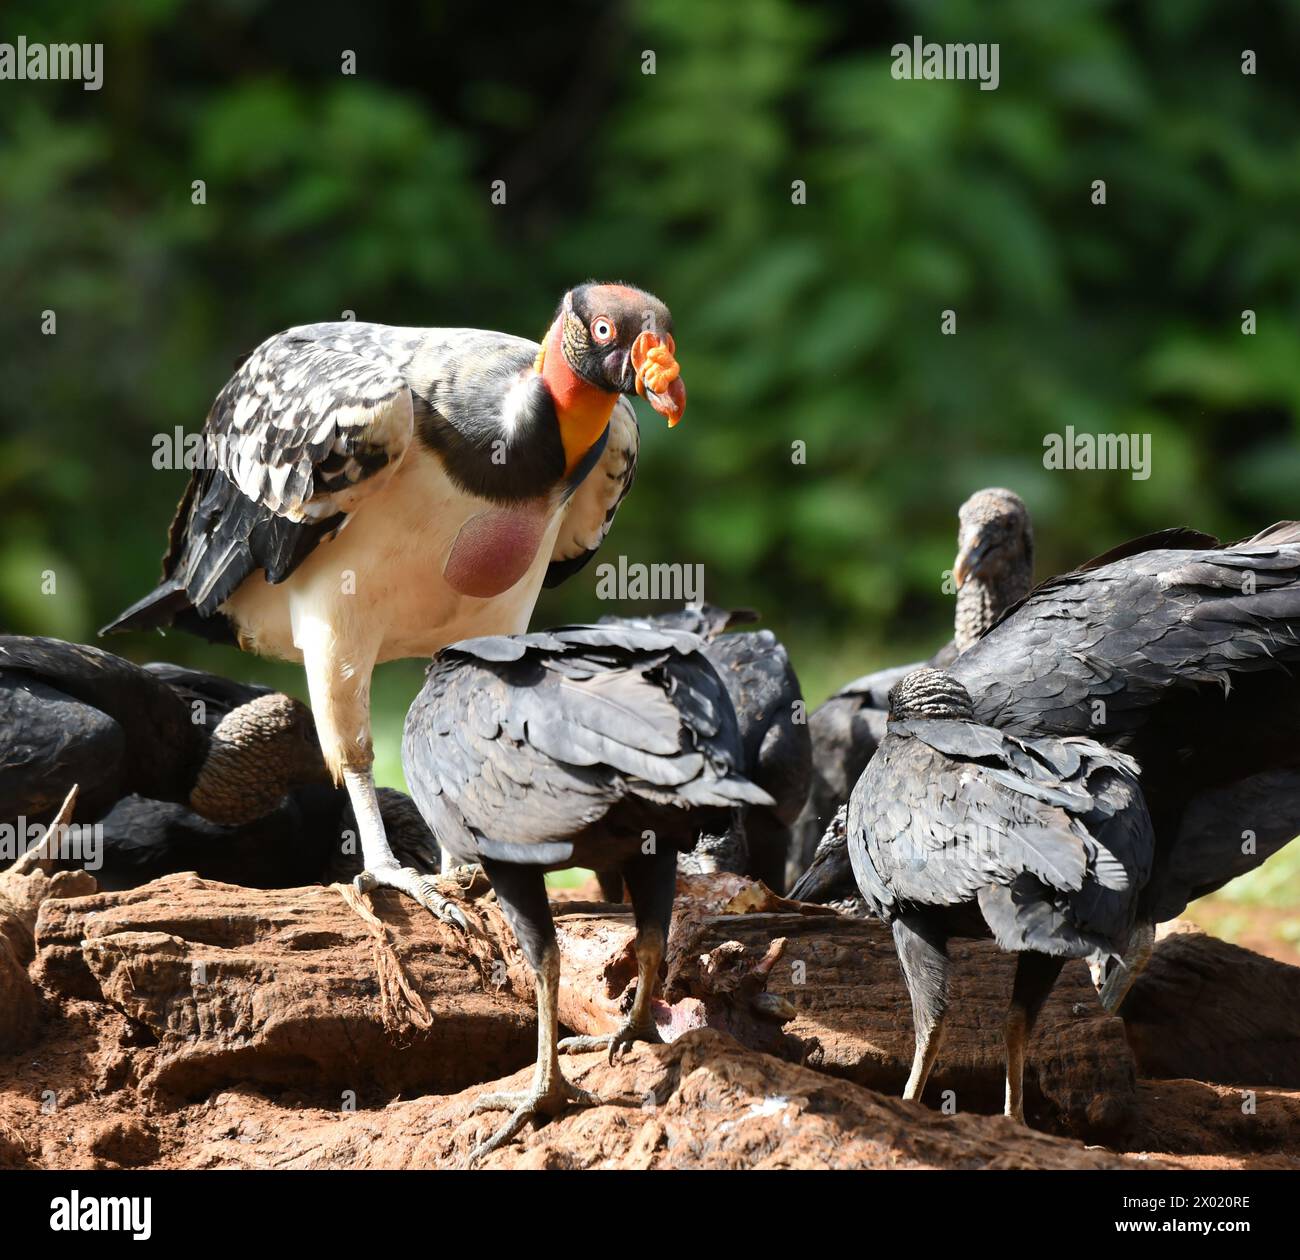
614	1042
523	1106
410	881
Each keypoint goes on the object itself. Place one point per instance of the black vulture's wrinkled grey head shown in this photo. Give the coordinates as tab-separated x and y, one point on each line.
995	561
929	693
995	538
257	753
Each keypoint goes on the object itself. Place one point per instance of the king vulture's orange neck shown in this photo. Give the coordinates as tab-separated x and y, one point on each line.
583	409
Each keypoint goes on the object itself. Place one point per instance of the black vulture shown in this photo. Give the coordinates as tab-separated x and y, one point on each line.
370	493
599	746
1178	652
994	567
309	838
76	714
1182	653
956	829
755	668
182	770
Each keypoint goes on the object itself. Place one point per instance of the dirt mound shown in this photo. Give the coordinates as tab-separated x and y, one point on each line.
194	1024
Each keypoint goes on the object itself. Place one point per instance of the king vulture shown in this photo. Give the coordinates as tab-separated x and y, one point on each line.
373	492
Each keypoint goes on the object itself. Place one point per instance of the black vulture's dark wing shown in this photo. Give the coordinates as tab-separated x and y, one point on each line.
844	733
218	695
1225	832
516	744
950	812
1127	633
756	670
706	620
162	739
764	689
71	713
1119	848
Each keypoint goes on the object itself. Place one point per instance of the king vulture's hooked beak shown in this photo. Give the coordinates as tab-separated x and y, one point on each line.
659	376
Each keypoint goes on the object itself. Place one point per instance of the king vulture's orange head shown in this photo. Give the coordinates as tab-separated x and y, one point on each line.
620	340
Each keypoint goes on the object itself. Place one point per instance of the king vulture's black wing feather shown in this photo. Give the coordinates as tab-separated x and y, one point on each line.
602	482
313	420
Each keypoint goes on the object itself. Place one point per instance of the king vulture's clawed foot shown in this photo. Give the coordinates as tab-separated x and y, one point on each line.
381	867
415	884
545	1098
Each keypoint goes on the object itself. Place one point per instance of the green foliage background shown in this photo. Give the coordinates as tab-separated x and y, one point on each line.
817	322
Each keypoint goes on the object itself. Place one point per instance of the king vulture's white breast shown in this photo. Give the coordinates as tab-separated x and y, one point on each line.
419	565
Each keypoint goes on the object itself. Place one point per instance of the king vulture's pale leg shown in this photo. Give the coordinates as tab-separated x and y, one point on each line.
382	869
339	684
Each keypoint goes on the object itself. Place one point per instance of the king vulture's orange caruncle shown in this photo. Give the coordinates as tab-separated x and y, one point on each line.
373	493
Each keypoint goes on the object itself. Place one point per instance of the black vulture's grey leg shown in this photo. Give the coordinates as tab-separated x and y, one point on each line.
611	885
923	954
521	892
1035	976
651	882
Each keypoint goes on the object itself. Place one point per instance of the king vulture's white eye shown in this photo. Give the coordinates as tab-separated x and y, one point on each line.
602	329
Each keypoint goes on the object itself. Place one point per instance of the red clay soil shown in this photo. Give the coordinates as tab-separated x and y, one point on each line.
702	1102
260	1056
71	1102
